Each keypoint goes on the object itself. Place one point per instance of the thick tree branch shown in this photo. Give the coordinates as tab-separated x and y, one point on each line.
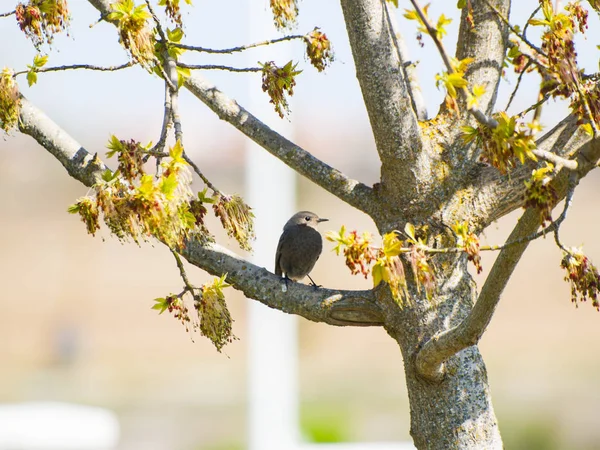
351	191
331	306
334	307
387	98
430	359
486	43
80	164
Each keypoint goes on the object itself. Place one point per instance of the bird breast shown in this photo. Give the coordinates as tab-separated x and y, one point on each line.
300	248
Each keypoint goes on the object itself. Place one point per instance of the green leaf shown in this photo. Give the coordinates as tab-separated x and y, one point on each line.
409	229
457	80
183	73
391	244
146	189
461	4
108	176
114	146
203	198
176	35
176	152
168	185
538	22
40	60
378	272
161	305
31	77
74	208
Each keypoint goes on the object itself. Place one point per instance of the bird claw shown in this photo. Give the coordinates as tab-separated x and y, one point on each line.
284	285
313	284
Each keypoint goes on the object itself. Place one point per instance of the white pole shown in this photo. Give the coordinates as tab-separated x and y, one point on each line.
271	191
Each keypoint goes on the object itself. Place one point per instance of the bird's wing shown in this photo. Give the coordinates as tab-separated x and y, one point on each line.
278	253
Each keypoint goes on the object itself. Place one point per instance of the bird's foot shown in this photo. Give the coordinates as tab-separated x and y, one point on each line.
284	285
313	284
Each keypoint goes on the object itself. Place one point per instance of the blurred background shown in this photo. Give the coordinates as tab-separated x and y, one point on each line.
76	324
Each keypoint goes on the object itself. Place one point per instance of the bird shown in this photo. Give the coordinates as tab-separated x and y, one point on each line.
299	247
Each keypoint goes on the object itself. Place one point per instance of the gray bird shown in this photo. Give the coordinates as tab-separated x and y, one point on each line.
299	247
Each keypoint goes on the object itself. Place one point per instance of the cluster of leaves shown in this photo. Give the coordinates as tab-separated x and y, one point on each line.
137	206
505	144
135	33
175	304
539	192
41	19
390	269
278	82
236	217
455	82
557	65
469	242
39	61
582	275
357	250
212	315
384	262
10	100
285	13
423	271
173	9
215	320
130	155
318	49
439	30
199	211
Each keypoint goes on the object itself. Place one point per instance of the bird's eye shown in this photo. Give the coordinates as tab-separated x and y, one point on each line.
307	218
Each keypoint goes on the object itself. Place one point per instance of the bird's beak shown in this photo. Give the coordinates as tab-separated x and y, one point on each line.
320	219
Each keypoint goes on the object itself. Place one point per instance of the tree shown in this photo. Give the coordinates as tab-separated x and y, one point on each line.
443	181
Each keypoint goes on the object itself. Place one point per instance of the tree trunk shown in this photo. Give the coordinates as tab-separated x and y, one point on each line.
456	413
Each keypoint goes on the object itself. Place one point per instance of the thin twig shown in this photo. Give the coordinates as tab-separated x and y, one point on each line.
514	92
170	76
218	67
161	32
475	112
414	91
200	174
514	30
535	11
569	164
573	180
588	110
236	49
157	150
535	106
80	66
7	14
188	286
